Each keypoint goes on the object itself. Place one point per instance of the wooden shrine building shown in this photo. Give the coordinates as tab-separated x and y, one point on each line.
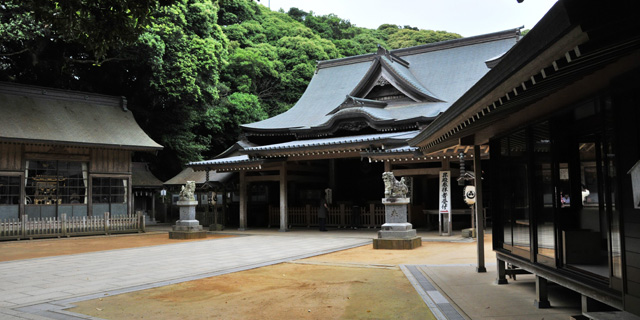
146	189
352	123
560	114
212	189
66	152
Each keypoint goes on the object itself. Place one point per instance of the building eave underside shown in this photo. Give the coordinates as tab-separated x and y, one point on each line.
556	54
388	149
329	128
568	69
79	144
450	153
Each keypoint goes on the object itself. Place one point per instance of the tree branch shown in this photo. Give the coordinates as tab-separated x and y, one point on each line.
14	53
97	62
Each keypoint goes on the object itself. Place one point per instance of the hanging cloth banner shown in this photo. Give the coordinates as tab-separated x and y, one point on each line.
445	194
444	216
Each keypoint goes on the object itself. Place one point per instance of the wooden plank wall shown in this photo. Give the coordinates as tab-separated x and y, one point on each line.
110	161
10	157
14	155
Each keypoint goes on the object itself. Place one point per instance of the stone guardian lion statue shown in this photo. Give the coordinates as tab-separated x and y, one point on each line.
187	192
392	187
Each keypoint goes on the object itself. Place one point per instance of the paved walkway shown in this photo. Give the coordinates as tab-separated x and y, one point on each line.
41	288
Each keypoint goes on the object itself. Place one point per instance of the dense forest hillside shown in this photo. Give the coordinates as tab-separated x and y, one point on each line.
192	70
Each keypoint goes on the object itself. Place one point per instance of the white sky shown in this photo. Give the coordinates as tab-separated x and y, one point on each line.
465	17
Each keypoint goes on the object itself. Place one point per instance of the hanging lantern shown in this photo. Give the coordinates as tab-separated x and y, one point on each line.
470	195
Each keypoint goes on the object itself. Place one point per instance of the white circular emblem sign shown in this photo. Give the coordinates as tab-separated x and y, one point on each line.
470	195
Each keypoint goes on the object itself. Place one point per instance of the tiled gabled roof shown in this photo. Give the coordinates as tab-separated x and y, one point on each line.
436	74
44	115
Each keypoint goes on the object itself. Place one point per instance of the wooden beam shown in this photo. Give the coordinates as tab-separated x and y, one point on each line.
261	178
307	168
467	140
416	172
341	155
51	156
291	178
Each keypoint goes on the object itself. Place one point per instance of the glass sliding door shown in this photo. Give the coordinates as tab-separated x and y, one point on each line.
590	227
543	195
514	193
556	193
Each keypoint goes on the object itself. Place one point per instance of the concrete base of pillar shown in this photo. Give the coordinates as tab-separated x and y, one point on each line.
184	235
469	233
542	304
397	244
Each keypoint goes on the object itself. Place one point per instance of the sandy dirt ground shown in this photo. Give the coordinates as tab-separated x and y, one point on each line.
26	249
350	284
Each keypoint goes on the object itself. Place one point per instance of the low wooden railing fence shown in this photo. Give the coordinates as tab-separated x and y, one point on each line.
29	228
371	216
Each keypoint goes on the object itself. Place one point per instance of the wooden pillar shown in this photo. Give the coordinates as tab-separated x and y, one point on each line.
332	174
129	194
502	272
542	293
224	206
372	209
477	169
243	201
445	164
153	206
283	198
589	304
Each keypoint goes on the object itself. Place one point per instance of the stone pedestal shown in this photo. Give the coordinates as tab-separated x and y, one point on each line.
187	227
396	232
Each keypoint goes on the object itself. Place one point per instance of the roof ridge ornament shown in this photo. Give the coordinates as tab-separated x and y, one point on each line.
392	57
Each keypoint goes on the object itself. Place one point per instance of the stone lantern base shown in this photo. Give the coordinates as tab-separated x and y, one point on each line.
396	233
397	244
187	227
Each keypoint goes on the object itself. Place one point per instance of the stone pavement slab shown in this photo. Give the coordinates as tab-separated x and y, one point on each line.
459	292
42	287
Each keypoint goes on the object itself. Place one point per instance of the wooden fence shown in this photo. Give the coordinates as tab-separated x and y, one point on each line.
29	228
371	216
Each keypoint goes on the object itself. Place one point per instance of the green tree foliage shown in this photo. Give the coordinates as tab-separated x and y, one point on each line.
272	56
236	11
348	39
402	37
182	54
169	74
193	71
96	26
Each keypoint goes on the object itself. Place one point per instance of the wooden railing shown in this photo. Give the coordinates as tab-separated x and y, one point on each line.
371	216
29	228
